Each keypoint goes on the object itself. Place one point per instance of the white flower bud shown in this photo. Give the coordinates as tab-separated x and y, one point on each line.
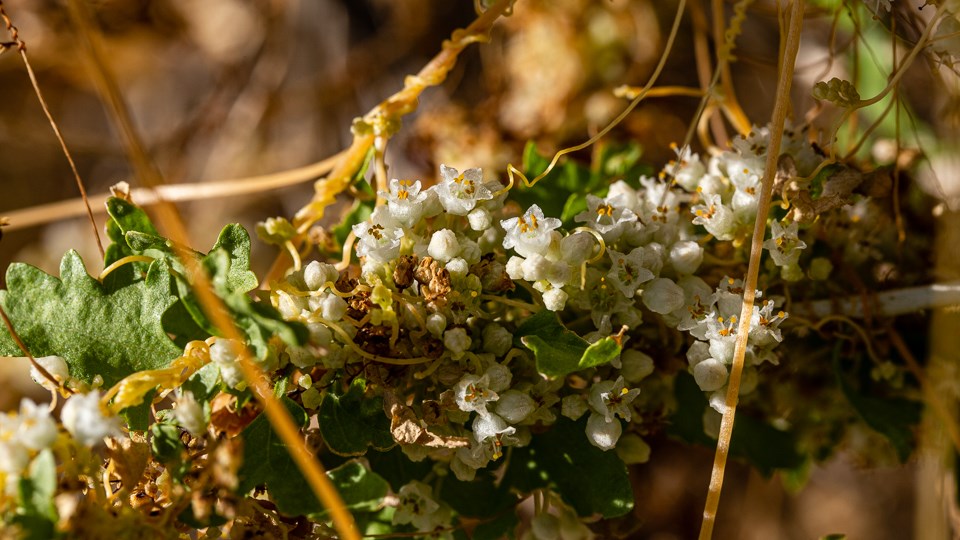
632	449
723	349
635	365
443	245
662	296
189	414
698	352
86	421
456	341
499	377
302	357
55	366
469	250
319	334
536	267
514	406
573	406
333	308
577	247
686	256
497	340
290	306
515	267
480	219
710	374
602	434
457	267
317	273
555	299
436	324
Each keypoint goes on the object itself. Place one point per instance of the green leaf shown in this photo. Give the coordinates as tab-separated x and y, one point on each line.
894	418
762	445
360	212
266	461
352	422
124	217
204	384
98	331
559	351
552	191
37	488
480	498
165	444
137	417
236	242
362	490
591	480
397	468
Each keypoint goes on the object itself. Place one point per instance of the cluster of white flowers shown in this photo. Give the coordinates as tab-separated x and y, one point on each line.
22	435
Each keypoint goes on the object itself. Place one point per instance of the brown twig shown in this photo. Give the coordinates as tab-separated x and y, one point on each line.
23	347
22	48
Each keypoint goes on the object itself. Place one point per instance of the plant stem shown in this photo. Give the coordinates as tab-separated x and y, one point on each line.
781	107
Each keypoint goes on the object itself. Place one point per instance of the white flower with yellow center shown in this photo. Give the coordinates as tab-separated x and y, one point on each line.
459	192
530	233
405	201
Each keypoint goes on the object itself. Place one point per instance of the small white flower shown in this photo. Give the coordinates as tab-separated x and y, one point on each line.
405	201
226	353
710	374
417	507
457	267
457	341
377	239
612	398
687	170
627	271
785	245
765	325
535	267
491	429
55	366
189	414
607	216
36	430
472	393
443	245
83	417
499	376
459	193
480	219
529	233
333	308
603	433
715	217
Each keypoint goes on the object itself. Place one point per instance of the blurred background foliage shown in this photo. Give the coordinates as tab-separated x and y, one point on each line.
235	88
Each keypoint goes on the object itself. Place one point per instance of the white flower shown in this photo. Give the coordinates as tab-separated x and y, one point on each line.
490	428
535	267
14	458
417	507
83	417
627	271
35	429
603	433
529	233
404	201
457	341
480	219
472	393
443	245
662	296
710	374
785	245
225	353
333	308
765	325
189	414
698	301
715	217
698	352
457	267
607	216
377	242
55	366
611	399
515	406
436	324
687	170
459	192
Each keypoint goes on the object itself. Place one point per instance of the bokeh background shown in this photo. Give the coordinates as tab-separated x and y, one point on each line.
222	89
